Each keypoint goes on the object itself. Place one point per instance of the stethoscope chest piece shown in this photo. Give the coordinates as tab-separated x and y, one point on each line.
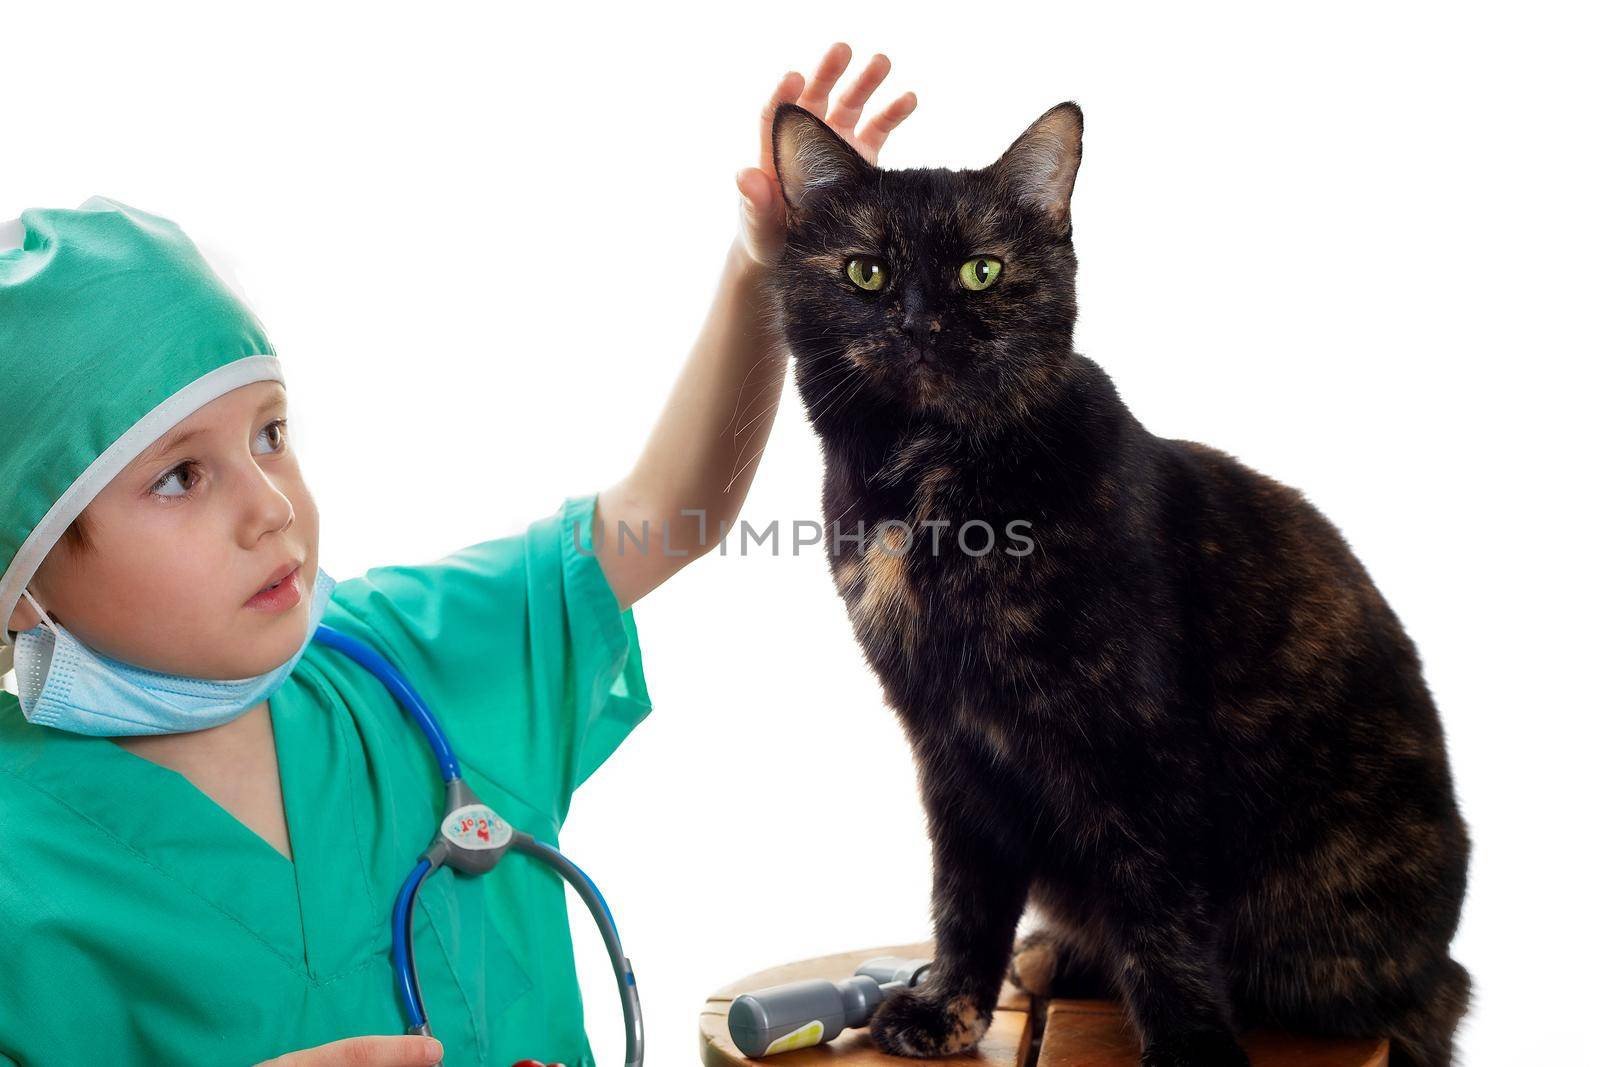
470	839
475	827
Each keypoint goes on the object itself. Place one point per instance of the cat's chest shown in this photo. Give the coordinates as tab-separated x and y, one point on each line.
925	565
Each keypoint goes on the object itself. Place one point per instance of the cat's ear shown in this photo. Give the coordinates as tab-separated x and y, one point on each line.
810	157
1040	166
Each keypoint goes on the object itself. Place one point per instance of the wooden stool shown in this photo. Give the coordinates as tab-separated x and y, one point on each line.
1074	1033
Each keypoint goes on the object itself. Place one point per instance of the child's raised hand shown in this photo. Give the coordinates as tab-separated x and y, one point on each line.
762	218
702	453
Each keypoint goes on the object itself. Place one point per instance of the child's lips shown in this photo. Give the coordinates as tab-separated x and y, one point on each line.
280	597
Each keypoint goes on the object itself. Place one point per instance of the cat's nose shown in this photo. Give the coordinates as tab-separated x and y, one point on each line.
914	317
920	326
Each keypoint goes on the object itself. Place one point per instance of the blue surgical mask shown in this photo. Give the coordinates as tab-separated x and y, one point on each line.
62	682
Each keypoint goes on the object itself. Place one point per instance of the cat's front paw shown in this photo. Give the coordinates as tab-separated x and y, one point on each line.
1207	1049
923	1022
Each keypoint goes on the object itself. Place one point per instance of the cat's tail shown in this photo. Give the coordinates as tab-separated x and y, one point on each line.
1425	1035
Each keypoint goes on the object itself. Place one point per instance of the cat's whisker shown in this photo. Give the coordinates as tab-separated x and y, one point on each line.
741	469
822	402
775	355
845	398
757	417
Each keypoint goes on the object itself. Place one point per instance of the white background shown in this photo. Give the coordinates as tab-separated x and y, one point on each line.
1355	246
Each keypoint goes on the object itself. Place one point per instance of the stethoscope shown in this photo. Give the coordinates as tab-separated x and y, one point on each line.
471	839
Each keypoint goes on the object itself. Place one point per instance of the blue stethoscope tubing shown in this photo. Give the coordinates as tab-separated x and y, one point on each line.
439	854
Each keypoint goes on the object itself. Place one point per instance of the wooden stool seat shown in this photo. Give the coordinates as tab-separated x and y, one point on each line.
1074	1033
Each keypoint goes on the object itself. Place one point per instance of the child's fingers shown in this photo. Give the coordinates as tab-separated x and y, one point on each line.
787	92
366	1051
762	206
753	184
877	131
761	214
847	112
834	62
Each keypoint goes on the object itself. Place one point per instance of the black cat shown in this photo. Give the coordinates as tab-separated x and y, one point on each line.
1147	687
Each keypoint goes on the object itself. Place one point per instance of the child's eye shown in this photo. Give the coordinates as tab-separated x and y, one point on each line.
282	428
186	465
276	432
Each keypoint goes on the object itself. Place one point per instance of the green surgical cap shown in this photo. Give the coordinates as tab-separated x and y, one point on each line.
113	329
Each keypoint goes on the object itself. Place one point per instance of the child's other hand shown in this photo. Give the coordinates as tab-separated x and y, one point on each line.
762	216
371	1051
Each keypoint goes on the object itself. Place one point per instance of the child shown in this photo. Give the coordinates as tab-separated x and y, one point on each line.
200	862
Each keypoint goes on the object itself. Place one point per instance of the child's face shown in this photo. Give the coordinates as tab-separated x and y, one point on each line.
183	538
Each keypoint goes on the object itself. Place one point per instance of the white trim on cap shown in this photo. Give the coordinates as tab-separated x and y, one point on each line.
141	435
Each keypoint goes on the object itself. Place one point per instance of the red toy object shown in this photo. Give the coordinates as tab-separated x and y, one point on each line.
536	1063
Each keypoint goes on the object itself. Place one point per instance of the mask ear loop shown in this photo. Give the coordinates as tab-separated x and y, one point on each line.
42	616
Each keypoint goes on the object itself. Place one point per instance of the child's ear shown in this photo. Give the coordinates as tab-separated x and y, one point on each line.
23	617
809	156
1041	166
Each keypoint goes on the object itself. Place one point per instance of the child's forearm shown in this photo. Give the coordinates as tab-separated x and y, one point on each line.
702	454
703	451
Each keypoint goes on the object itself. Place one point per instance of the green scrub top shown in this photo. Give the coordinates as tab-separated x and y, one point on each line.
142	923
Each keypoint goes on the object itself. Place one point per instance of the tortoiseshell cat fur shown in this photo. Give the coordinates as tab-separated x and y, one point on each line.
1185	724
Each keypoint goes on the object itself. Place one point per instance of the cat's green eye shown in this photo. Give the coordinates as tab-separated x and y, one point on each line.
980	272
868	273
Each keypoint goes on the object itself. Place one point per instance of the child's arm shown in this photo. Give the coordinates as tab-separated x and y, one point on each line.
703	451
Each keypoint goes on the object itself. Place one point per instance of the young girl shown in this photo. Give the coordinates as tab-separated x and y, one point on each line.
205	816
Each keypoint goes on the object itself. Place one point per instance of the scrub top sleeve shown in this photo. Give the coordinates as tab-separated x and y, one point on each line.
520	649
600	649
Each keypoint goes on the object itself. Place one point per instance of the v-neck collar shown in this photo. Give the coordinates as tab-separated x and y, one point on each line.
314	912
343	922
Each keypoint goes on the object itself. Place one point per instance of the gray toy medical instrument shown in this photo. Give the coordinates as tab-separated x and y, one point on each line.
471	839
782	1018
